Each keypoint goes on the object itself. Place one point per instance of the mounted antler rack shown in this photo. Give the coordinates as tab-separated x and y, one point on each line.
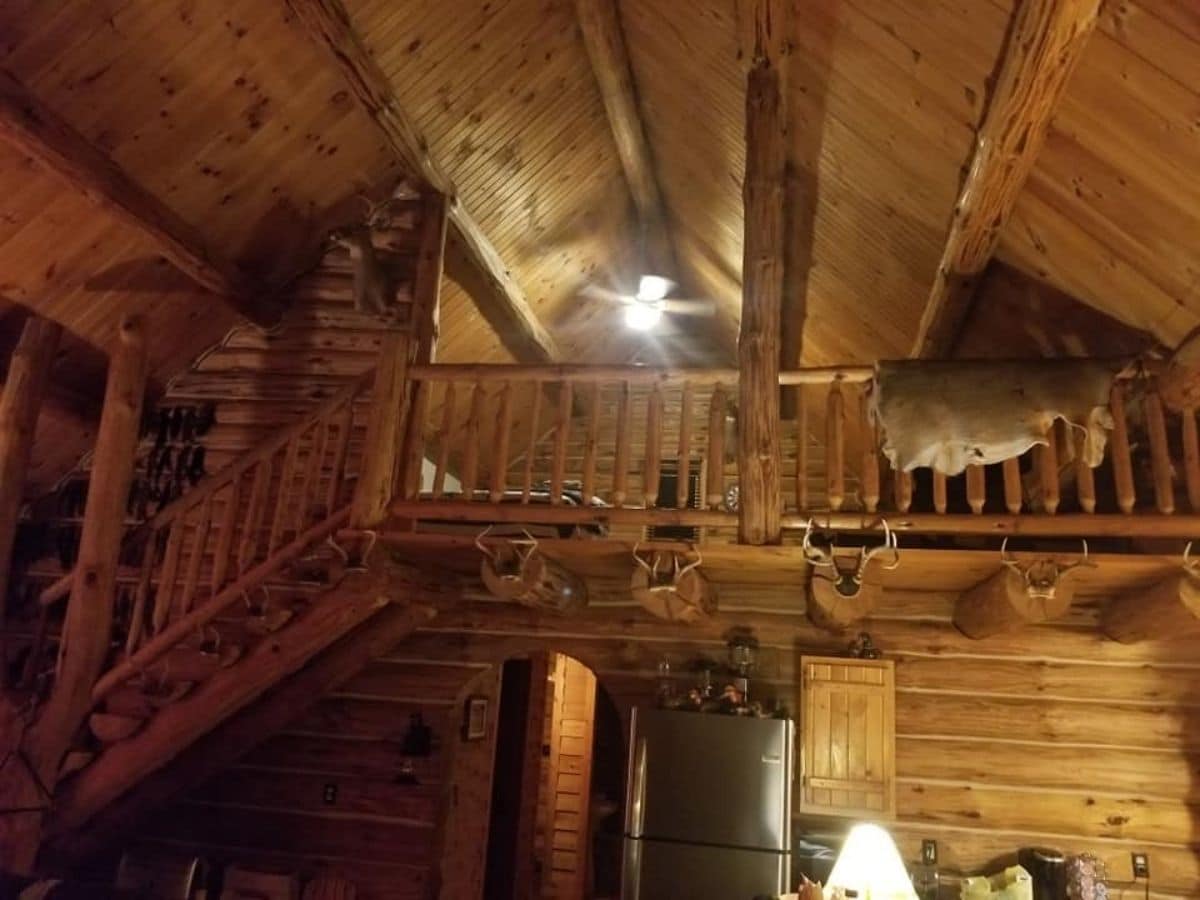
1019	594
852	589
671	587
514	569
1170	608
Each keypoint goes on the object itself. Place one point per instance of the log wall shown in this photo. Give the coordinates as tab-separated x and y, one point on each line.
1053	735
270	811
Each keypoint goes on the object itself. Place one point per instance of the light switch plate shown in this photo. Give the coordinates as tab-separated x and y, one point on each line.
1141	865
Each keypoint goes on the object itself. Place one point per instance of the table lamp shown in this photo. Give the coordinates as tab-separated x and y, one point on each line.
870	867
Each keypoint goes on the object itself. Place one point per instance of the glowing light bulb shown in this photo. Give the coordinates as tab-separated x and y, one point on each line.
642	316
652	288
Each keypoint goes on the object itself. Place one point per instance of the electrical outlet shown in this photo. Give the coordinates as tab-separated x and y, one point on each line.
1141	865
331	793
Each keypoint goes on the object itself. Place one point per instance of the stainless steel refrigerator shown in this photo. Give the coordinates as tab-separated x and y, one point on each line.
708	807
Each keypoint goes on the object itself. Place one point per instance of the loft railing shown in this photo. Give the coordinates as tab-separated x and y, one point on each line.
235	529
576	444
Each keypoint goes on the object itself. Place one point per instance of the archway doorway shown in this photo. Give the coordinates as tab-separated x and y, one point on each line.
551	818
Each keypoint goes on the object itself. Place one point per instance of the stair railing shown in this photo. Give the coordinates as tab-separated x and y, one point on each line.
233	530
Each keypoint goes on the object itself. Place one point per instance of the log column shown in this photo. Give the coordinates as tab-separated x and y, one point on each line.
384	441
20	403
88	625
762	303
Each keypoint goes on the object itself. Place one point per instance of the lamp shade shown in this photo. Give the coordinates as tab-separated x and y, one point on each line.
871	867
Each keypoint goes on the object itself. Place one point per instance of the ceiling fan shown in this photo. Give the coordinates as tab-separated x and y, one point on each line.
644	309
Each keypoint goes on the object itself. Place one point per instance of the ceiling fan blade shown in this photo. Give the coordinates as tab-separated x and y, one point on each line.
598	292
690	307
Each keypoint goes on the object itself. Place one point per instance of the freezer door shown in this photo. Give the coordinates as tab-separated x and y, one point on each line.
710	779
664	870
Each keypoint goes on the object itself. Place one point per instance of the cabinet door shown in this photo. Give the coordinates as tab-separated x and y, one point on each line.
848	724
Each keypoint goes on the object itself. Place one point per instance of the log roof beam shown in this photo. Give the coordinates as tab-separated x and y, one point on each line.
1046	41
600	24
471	259
33	129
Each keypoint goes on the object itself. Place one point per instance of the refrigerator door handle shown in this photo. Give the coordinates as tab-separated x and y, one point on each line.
637	790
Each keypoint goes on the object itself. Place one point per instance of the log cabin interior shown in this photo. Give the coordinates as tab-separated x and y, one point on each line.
578	449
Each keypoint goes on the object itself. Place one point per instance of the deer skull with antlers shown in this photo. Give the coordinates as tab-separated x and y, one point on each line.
847	594
669	586
516	570
1020	593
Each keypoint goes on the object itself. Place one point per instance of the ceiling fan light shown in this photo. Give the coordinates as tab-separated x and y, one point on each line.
652	288
642	316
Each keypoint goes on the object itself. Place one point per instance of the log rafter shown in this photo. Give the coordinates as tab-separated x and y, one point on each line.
35	130
600	24
471	259
1046	42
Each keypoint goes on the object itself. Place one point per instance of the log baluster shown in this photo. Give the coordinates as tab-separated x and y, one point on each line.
470	468
1085	477
200	533
141	598
500	444
164	594
1160	454
715	461
903	490
1013	494
444	436
870	456
310	483
835	446
939	492
248	547
684	454
1191	459
801	449
1122	459
562	433
1047	460
226	533
654	411
621	456
976	488
340	451
591	442
283	494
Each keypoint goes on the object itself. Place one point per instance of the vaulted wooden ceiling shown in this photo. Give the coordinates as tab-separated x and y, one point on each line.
245	128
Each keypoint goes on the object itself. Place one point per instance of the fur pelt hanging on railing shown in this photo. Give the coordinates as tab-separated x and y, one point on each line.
950	414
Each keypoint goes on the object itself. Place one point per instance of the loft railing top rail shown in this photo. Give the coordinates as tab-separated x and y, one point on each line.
589	374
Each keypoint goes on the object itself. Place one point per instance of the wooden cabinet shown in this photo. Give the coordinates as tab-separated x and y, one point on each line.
847	737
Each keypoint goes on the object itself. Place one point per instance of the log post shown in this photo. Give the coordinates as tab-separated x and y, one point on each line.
427	302
383	444
1122	458
88	626
835	447
760	495
869	476
976	488
1004	602
1191	458
1160	454
715	462
1168	609
20	403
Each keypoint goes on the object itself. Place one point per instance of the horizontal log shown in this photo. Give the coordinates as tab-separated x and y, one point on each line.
590	374
259	829
1169	774
387	678
337	757
372	719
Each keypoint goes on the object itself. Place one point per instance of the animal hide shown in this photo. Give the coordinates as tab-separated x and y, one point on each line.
950	414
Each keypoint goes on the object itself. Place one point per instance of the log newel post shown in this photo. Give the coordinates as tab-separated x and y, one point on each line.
382	447
88	626
760	499
20	403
